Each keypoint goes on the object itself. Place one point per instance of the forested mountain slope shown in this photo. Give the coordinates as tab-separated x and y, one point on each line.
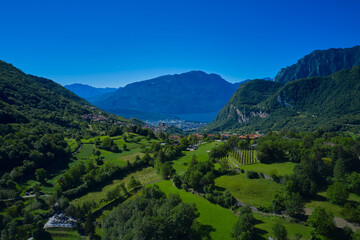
36	115
331	103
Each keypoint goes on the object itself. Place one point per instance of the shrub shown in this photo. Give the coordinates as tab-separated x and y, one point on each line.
252	175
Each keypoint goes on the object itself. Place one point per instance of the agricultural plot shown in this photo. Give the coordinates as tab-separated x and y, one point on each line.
243	156
239	157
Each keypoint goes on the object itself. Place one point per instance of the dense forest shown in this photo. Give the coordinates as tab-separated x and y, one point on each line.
37	116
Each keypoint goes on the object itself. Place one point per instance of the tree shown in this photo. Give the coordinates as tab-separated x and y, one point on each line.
115	130
339	170
279	231
133	183
294	204
36	188
356	235
337	193
153	216
124	147
89	227
322	221
28	217
244	227
40	174
96	152
167	170
353	182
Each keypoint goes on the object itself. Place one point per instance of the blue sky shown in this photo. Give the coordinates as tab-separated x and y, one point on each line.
112	43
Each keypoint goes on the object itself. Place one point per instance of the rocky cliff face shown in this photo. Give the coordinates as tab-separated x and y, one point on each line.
244	105
320	63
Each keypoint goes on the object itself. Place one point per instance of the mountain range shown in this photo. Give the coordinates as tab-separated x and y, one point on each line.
330	102
194	94
88	92
187	93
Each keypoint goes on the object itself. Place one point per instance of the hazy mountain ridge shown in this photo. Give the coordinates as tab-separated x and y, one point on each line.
87	92
191	92
320	63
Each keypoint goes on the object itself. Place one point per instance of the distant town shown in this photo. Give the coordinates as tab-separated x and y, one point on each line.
184	125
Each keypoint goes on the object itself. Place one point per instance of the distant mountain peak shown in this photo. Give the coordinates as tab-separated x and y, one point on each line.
320	63
185	93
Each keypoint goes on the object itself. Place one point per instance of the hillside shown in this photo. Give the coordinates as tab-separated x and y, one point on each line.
331	103
191	92
37	114
320	63
243	105
88	92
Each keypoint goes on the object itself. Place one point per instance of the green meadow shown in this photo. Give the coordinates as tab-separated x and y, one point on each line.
255	192
145	176
220	219
279	169
202	154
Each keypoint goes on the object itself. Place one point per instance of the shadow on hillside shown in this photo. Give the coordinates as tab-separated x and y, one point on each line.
47	184
231	173
320	198
259	232
205	231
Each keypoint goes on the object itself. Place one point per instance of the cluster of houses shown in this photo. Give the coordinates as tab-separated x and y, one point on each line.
227	136
95	118
221	136
161	127
59	220
181	124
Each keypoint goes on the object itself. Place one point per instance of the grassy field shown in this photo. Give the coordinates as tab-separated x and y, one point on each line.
279	169
202	154
335	209
265	224
59	234
220	219
146	175
255	192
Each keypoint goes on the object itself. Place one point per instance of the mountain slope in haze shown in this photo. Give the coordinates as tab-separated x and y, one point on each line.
320	63
88	92
330	103
191	92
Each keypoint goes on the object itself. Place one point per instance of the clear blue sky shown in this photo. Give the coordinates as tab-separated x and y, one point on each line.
111	43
